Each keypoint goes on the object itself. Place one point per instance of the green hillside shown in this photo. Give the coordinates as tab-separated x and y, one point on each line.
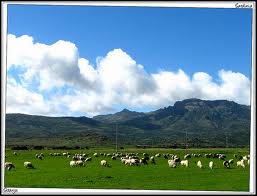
216	123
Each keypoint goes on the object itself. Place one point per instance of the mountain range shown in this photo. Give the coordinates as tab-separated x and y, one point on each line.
195	122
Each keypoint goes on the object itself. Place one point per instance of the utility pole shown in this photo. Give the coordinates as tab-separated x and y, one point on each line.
226	140
116	140
186	141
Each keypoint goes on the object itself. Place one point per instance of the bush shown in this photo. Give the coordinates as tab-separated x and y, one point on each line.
38	147
19	148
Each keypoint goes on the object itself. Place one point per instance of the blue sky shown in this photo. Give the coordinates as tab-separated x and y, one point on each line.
161	39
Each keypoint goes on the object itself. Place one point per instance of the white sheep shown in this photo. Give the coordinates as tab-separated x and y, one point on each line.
73	164
184	162
172	163
104	163
211	164
248	161
15	153
80	163
231	161
226	164
240	163
199	164
28	164
9	165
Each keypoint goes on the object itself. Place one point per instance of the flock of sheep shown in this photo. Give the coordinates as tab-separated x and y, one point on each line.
133	159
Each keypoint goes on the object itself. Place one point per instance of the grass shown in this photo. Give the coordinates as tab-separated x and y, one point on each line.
55	172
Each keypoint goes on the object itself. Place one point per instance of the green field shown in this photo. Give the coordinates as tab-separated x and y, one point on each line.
55	172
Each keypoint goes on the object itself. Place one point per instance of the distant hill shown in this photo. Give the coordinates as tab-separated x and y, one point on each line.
206	123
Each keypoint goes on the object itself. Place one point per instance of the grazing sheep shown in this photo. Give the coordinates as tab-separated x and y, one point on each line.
222	157
113	157
245	158
240	163
165	156
152	160
15	153
51	154
184	162
211	165
172	163
40	157
80	163
199	164
226	164
187	156
231	161
88	159
143	161
73	164
64	154
77	163
28	164
134	162
36	155
145	154
9	165
127	161
104	163
95	155
41	154
158	155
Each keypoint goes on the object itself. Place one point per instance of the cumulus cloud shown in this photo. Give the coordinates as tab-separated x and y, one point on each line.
117	79
21	100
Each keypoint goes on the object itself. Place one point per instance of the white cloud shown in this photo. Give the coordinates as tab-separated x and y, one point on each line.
117	79
21	100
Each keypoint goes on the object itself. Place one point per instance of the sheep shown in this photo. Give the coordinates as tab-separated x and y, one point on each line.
211	164
77	163
158	155
134	162
113	157
15	153
248	161
88	159
95	155
231	161
40	157
165	156
64	154
9	165
73	164
145	154
245	158
199	164
127	161
240	163
143	161
184	162
41	154
222	157
171	163
104	163
226	164
187	156
80	163
152	160
28	164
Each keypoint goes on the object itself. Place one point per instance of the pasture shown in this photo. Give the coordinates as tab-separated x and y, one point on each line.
55	171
